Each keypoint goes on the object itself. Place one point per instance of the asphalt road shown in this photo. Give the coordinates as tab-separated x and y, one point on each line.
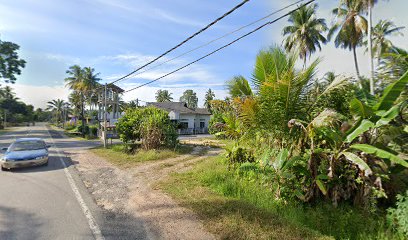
51	202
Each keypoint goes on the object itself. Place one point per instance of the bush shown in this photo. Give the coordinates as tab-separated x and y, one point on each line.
238	154
150	124
93	131
398	217
69	126
86	129
216	123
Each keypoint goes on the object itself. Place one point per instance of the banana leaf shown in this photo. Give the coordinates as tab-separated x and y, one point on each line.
359	108
364	126
391	93
359	162
380	153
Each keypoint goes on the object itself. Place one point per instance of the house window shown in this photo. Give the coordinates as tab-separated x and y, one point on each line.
202	124
183	125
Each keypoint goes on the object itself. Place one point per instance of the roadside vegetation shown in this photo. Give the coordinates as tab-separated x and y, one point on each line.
147	134
119	154
310	157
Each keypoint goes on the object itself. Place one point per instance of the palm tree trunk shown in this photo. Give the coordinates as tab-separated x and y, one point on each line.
370	48
356	65
83	115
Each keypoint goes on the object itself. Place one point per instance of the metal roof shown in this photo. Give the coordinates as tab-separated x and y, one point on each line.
180	107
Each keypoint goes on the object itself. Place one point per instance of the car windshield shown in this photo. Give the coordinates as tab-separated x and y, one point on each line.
27	145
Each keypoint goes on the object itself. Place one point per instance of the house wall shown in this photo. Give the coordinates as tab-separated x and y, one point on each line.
187	118
174	115
195	119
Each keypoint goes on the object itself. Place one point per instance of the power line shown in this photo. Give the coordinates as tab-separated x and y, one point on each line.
212	41
186	40
226	45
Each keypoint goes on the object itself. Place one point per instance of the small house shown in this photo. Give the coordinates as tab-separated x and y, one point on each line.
190	121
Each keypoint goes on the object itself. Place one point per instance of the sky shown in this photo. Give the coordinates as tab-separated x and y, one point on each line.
117	36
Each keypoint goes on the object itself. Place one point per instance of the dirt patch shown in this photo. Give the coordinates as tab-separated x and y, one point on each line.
132	191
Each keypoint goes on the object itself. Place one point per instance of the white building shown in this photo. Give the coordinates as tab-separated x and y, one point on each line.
192	121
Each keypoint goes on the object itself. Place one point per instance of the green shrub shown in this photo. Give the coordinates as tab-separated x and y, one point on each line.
69	126
238	154
93	130
86	132
398	217
151	125
216	124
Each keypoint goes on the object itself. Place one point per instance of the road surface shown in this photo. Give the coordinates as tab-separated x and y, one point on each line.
51	202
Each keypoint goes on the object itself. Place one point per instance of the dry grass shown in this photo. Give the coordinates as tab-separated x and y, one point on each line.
116	154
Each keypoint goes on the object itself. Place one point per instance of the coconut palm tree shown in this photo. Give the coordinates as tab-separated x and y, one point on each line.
238	86
381	44
57	107
209	96
305	34
350	28
83	81
163	96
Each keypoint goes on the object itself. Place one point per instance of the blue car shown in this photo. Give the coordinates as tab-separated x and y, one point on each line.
25	152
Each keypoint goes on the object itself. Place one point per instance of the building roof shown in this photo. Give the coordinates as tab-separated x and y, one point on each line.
180	107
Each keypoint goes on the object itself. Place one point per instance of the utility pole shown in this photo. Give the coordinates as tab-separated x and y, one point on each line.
104	117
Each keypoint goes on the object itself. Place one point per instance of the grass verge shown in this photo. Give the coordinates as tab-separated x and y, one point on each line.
235	208
117	155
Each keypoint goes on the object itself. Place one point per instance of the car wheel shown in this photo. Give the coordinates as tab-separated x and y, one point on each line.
46	163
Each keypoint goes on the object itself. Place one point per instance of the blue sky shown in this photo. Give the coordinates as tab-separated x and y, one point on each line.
116	37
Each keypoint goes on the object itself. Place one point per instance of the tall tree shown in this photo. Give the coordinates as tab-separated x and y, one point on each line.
163	96
238	86
380	43
10	63
57	107
305	34
350	27
209	96
83	81
190	98
8	93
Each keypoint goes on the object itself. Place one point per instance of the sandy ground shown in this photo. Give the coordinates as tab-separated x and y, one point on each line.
131	191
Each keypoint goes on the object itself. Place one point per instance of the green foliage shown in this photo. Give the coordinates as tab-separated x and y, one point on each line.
163	96
190	98
10	63
305	34
398	217
238	154
391	93
238	86
151	125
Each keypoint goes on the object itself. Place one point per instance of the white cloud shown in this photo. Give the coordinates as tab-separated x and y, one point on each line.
38	96
194	73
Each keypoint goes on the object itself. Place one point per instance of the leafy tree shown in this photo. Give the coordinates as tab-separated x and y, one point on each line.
163	96
84	82
56	106
209	96
393	64
10	63
305	34
350	27
381	44
190	98
238	86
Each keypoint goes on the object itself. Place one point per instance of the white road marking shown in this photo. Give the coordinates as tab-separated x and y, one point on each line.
91	220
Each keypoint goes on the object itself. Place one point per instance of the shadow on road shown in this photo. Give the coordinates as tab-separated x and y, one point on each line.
17	224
